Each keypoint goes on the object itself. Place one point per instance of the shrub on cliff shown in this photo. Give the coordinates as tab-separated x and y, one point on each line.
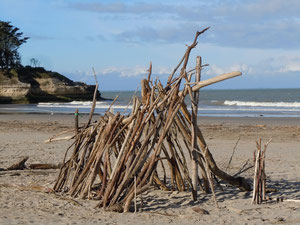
10	41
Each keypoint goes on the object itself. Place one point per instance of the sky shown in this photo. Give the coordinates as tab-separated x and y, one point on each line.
260	38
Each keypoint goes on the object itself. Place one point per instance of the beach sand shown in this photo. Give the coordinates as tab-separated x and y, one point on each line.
23	202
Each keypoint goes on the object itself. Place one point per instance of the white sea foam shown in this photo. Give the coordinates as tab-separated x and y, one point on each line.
252	109
264	104
82	104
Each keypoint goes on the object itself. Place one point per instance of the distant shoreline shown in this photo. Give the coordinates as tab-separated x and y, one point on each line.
264	103
202	120
204	117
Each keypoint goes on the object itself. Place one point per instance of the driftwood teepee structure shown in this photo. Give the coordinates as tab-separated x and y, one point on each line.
121	156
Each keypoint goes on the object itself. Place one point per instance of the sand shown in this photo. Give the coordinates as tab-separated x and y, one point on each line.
22	202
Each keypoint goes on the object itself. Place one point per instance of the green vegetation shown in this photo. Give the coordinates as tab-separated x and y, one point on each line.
10	41
35	84
29	72
19	84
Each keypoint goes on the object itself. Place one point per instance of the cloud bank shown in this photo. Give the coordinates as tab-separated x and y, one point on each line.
239	23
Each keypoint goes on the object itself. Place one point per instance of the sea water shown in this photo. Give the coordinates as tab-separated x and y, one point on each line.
227	103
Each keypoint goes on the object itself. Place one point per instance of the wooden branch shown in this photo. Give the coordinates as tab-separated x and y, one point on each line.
19	165
210	178
93	106
185	58
76	121
149	72
66	138
94	101
59	134
195	100
213	80
291	200
35	166
44	166
233	151
259	179
240	182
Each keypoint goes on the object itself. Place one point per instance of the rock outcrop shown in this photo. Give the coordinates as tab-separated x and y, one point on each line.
32	85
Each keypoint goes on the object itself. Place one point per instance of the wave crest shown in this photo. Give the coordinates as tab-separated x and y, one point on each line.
263	104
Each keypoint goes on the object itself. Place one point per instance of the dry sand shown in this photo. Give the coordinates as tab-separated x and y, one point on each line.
24	135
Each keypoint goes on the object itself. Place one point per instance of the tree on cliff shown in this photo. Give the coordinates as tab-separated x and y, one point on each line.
10	41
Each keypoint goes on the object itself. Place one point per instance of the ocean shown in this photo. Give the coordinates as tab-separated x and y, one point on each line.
217	103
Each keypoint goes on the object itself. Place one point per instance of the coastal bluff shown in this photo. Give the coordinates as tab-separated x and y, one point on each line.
35	84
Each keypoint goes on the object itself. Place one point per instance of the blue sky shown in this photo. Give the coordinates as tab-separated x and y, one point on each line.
120	38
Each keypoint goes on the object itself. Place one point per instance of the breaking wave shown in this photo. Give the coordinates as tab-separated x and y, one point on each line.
83	104
264	104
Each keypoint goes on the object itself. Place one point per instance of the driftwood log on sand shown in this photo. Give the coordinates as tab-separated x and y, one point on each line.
21	165
121	156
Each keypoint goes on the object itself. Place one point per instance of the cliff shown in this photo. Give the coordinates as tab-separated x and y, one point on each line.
32	85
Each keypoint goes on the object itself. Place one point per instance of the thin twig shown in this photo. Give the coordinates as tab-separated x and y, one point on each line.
233	151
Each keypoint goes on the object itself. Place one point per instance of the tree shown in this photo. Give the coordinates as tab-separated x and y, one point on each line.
34	62
10	41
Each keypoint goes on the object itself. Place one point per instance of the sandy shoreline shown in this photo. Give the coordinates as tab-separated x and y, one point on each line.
24	135
201	119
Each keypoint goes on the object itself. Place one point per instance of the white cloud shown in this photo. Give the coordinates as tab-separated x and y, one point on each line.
214	70
275	66
290	64
125	71
290	68
264	24
135	71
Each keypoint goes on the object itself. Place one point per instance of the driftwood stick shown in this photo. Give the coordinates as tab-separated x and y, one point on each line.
195	100
94	101
243	168
264	177
76	121
66	138
213	80
185	58
44	166
131	196
113	102
193	45
59	134
122	150
217	79
95	76
35	166
210	178
19	165
186	134
259	179
203	172
255	181
291	200
149	72
135	194
233	151
240	182
174	71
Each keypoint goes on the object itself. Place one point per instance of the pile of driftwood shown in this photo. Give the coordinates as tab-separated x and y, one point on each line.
121	156
259	179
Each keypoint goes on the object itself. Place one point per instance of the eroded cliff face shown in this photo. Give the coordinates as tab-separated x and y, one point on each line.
31	85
